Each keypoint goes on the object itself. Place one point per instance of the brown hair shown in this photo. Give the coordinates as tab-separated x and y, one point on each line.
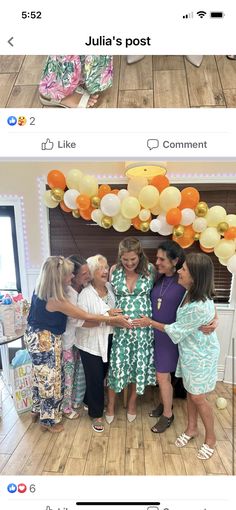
201	270
132	244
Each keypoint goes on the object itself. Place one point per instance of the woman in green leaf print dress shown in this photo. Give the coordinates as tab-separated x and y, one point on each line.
132	352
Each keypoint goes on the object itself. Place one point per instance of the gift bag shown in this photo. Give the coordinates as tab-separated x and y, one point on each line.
21	381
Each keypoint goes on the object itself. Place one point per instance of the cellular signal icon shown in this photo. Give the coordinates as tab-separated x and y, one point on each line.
201	14
189	15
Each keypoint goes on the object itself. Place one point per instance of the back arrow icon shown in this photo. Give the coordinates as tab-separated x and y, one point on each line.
10	41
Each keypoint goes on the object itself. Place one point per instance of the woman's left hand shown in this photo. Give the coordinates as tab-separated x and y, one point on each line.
209	328
143	322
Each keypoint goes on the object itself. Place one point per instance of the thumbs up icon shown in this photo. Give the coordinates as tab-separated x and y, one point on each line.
48	145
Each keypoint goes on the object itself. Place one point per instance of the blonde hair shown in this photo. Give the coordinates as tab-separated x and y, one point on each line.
133	244
51	280
94	263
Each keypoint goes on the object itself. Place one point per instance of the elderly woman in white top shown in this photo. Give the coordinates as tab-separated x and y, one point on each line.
94	344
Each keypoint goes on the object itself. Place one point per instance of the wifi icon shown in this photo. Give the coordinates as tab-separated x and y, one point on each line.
201	14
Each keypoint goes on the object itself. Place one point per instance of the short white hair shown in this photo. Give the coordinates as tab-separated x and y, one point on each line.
95	262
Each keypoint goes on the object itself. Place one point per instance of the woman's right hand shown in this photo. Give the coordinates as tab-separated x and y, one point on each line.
120	321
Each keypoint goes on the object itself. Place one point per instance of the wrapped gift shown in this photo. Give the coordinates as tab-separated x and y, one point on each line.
21	381
7	316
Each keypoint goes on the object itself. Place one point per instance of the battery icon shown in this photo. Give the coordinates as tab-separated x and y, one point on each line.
216	14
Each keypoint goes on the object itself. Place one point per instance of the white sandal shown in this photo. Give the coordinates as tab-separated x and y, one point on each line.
73	415
83	102
183	440
205	452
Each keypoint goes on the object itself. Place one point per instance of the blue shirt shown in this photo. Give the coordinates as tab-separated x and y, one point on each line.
39	318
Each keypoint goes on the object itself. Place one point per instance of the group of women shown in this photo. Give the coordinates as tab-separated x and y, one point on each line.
131	331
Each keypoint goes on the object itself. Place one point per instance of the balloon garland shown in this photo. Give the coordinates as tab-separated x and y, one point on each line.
147	204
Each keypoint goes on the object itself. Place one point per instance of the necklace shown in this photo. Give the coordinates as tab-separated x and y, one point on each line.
159	300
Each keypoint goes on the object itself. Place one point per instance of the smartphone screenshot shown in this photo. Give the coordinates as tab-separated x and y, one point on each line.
117	256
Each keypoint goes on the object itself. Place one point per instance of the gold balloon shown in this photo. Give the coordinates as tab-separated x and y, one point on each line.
201	209
222	227
95	202
196	236
178	231
144	226
106	222
57	194
76	213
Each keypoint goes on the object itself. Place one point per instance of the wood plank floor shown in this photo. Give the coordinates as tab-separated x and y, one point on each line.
154	82
123	449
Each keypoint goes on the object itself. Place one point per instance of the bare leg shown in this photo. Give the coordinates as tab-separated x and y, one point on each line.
111	402
132	399
166	390
206	414
191	430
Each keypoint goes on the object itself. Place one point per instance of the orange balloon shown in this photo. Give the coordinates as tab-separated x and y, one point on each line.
56	179
64	207
190	198
86	213
206	250
114	191
230	233
187	239
136	222
173	216
103	190
83	202
160	182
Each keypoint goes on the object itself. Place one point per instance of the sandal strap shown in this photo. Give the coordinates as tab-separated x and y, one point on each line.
205	451
183	439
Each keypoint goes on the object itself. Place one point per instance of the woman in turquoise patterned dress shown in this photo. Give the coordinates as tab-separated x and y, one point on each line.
132	352
198	353
72	81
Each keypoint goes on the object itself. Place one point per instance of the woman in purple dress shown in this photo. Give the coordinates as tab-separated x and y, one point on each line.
166	297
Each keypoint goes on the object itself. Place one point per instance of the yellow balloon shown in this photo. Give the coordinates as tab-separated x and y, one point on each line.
48	200
224	249
106	222
144	215
73	178
231	220
135	185
148	196
130	207
215	215
121	224
201	209
223	262
222	227
144	226
57	194
170	197
156	210
76	213
178	231
88	185
209	238
95	202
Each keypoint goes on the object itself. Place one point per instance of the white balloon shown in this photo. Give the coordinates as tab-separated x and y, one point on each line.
188	216
155	225
165	229
97	216
231	264
123	193
110	205
200	224
70	198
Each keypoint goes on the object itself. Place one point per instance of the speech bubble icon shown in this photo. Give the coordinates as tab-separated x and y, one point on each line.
152	143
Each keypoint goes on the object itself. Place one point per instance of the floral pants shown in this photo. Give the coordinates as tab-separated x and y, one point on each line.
62	75
74	379
45	350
